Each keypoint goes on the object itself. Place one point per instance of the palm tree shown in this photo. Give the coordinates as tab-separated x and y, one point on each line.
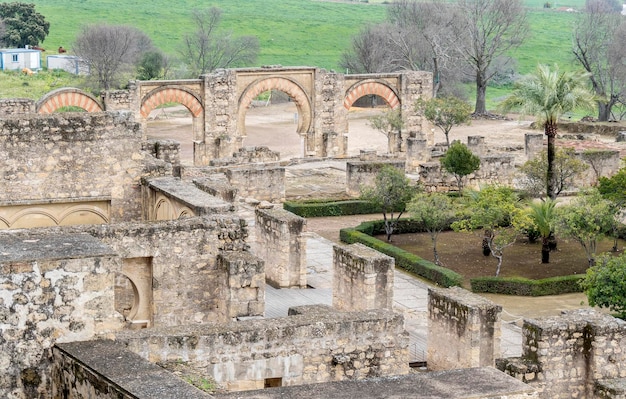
548	94
543	216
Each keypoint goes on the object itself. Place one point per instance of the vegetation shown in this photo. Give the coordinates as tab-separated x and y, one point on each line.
543	217
390	124
566	169
445	113
586	219
435	212
548	94
605	284
319	208
460	161
492	209
21	25
391	190
209	47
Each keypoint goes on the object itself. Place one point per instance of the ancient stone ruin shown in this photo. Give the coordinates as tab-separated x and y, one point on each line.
118	263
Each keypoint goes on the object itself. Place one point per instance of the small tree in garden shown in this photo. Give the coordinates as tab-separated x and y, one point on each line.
390	124
460	161
586	219
566	168
493	209
605	284
445	113
543	216
614	189
391	191
435	211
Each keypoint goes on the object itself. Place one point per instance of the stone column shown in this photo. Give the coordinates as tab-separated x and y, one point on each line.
463	330
280	243
417	152
476	144
533	143
363	278
245	284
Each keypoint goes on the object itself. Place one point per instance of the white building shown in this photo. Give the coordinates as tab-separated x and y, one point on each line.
69	63
12	59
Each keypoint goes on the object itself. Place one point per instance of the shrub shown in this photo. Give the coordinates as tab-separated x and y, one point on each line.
526	287
331	208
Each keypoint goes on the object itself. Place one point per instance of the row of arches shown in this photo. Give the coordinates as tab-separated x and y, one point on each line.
286	125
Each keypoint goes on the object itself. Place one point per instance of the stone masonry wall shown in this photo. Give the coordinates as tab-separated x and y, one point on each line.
281	244
363	173
363	278
310	347
14	106
463	329
71	155
566	356
53	288
262	182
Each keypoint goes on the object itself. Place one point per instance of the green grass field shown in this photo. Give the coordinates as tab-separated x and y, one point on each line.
291	32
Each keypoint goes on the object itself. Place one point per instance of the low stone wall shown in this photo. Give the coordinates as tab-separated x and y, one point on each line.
15	106
310	347
105	370
281	244
572	355
245	284
166	150
262	182
363	173
463	329
363	278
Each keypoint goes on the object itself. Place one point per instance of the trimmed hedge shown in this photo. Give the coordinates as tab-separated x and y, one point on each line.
526	287
331	208
403	259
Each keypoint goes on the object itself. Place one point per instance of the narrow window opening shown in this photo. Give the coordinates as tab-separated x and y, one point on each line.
273	382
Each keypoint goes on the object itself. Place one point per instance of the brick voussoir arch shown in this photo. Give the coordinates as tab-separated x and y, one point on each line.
371	87
166	94
66	97
291	88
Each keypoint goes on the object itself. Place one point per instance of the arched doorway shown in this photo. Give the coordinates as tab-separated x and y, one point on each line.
365	101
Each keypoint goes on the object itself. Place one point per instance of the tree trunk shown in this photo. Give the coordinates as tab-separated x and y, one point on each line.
604	111
486	239
435	253
545	250
550	131
481	91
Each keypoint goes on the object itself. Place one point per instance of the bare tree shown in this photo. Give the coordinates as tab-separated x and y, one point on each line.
486	30
370	51
110	50
598	47
423	40
208	48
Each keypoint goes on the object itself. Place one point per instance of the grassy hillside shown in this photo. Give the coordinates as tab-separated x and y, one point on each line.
291	32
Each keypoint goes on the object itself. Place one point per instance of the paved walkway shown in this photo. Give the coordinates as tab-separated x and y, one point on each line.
410	298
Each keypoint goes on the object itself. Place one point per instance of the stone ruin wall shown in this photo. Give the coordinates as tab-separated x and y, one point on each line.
65	157
14	106
362	278
463	330
314	345
576	355
60	297
281	244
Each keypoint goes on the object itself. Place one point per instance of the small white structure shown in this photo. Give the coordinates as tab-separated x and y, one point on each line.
69	63
12	59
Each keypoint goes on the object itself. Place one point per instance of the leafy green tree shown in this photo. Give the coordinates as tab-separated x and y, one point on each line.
544	217
567	168
614	189
493	210
548	94
152	65
22	25
605	284
460	161
391	191
390	124
436	212
586	219
445	113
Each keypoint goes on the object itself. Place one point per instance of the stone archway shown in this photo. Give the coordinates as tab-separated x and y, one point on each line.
165	94
67	97
291	88
371	87
176	94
